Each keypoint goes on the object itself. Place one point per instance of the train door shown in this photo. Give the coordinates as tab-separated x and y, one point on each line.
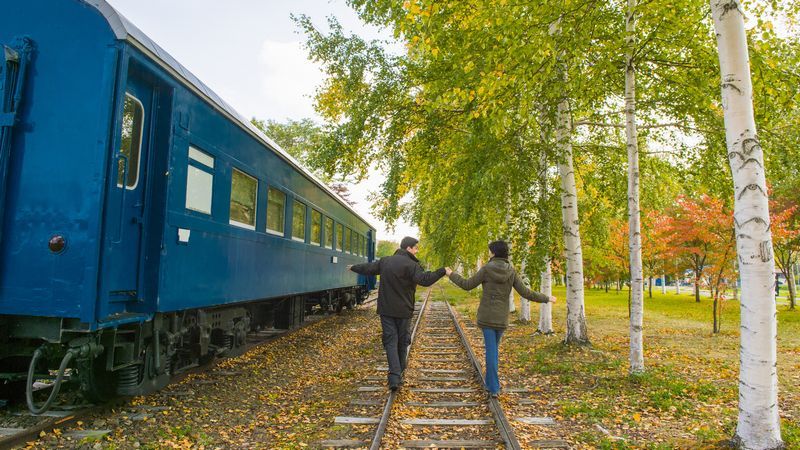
126	198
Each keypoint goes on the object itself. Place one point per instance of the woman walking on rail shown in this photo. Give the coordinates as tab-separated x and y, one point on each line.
497	277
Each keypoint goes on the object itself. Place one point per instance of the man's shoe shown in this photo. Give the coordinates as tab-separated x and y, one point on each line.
394	387
494	394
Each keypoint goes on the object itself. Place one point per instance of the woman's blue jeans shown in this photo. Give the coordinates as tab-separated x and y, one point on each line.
491	340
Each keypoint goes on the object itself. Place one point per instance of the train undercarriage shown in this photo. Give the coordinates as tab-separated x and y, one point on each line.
40	355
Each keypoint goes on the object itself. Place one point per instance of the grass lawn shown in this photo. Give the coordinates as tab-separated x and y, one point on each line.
686	399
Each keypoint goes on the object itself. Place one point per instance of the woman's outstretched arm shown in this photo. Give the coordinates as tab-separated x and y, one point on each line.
468	283
527	293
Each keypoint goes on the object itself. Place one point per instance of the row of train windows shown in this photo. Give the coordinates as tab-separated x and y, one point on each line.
244	194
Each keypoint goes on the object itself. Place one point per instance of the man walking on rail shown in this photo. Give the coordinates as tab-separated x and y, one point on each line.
400	274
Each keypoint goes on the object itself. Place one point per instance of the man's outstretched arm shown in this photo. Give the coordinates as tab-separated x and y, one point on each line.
370	268
423	278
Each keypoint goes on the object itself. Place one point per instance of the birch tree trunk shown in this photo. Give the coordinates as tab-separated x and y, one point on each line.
546	309
663	283
792	289
758	425
634	226
524	305
576	316
677	285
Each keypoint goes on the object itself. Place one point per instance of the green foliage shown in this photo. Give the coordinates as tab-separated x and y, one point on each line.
300	138
462	122
386	248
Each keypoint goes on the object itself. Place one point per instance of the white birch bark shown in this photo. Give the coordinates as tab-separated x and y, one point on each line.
634	226
512	307
524	305
758	425
546	309
677	285
663	283
576	316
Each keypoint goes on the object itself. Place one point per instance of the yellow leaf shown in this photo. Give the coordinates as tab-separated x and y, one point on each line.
637	417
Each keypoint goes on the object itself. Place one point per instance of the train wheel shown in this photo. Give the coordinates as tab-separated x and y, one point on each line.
97	384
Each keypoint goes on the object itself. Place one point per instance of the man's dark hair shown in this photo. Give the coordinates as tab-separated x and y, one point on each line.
408	242
499	249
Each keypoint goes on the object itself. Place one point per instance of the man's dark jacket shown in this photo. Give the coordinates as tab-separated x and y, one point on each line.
400	275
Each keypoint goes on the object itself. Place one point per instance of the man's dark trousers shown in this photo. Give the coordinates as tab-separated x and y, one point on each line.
396	340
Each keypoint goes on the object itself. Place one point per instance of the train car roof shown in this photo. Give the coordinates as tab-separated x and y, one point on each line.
127	31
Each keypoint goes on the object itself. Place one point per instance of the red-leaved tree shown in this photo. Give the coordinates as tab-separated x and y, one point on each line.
700	231
785	224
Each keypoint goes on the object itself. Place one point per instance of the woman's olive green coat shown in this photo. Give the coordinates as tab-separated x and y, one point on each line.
497	277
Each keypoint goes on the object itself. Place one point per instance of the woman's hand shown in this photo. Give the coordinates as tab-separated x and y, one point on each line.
552	299
448	271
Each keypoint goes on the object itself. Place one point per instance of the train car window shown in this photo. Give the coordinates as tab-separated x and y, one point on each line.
316	227
199	181
299	221
360	245
340	237
348	242
276	211
244	190
130	142
328	232
201	157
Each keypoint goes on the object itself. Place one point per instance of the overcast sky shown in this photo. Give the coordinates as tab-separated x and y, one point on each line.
250	53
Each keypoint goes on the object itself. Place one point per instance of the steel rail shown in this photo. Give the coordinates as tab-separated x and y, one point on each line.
387	409
503	425
32	433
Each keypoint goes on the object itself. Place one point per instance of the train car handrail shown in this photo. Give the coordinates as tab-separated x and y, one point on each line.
12	84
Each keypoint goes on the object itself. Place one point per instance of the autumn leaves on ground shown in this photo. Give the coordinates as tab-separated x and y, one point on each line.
287	393
687	396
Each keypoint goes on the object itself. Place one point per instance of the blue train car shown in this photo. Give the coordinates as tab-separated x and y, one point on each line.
145	225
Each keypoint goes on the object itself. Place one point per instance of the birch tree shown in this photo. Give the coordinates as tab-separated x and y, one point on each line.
524	305
635	232
758	425
545	325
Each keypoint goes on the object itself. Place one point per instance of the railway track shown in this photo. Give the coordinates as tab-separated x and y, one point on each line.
442	403
66	415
